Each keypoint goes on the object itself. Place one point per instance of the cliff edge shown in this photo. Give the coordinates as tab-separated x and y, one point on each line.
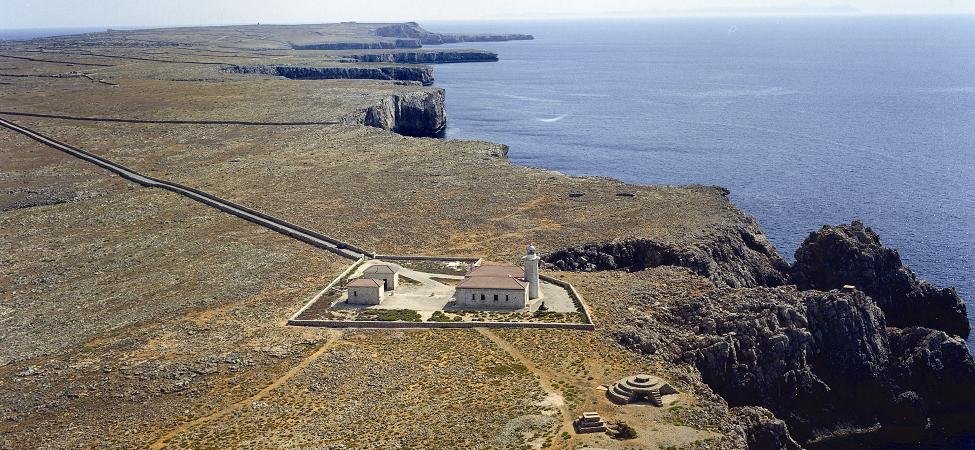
852	254
417	114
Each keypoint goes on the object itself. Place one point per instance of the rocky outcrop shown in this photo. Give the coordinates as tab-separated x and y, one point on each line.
852	254
419	114
427	57
391	44
824	362
740	256
422	75
935	375
763	431
413	30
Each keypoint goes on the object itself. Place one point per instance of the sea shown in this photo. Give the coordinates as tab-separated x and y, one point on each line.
807	120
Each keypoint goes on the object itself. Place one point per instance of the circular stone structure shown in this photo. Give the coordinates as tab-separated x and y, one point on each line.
638	389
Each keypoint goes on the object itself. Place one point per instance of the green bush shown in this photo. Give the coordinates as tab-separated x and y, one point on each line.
623	431
391	315
438	316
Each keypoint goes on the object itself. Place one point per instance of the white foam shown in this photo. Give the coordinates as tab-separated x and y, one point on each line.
554	119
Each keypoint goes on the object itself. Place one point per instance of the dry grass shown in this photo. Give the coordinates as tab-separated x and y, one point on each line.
159	310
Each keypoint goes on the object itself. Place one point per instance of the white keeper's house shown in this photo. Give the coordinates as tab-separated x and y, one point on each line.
365	291
503	287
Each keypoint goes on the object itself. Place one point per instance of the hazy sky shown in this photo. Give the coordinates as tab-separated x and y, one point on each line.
68	13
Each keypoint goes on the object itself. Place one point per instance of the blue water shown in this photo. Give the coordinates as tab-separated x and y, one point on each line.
808	121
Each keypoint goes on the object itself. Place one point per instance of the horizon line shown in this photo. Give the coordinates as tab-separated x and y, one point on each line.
563	18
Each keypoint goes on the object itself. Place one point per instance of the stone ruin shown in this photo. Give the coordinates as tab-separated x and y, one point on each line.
589	422
640	388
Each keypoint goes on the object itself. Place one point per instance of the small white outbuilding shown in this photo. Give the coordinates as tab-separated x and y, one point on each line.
365	291
385	273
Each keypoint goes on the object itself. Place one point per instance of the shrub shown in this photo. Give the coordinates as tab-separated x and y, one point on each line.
391	315
438	316
623	431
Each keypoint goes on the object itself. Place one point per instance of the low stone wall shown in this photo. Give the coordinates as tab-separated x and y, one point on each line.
467	325
331	285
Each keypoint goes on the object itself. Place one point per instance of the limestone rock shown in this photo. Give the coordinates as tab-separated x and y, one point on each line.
427	57
763	431
823	362
936	376
423	75
418	113
853	255
738	256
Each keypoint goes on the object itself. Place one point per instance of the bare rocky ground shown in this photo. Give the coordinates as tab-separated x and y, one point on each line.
133	317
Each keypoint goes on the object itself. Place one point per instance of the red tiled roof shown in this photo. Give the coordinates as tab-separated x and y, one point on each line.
487	282
497	271
364	282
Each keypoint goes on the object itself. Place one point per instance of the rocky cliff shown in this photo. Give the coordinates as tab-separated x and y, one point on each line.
832	363
764	431
413	30
738	255
427	57
824	362
423	75
418	113
852	254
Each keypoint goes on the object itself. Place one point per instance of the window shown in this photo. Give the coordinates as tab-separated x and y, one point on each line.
472	297
355	293
482	297
506	297
495	297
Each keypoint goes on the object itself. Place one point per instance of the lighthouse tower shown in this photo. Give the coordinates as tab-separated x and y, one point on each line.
531	272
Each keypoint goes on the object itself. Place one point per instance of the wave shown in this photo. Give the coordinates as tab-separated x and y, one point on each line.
531	99
553	119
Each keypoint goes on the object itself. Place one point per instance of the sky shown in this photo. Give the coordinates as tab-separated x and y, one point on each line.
120	13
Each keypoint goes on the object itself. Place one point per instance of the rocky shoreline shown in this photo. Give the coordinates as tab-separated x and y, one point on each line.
885	357
812	343
422	75
426	57
416	114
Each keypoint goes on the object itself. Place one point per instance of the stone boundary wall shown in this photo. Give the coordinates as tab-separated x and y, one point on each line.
303	234
163	121
459	325
329	287
576	298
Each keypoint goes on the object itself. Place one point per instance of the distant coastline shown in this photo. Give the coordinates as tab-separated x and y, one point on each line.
20	34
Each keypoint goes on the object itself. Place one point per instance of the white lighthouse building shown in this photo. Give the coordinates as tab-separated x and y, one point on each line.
502	287
531	272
